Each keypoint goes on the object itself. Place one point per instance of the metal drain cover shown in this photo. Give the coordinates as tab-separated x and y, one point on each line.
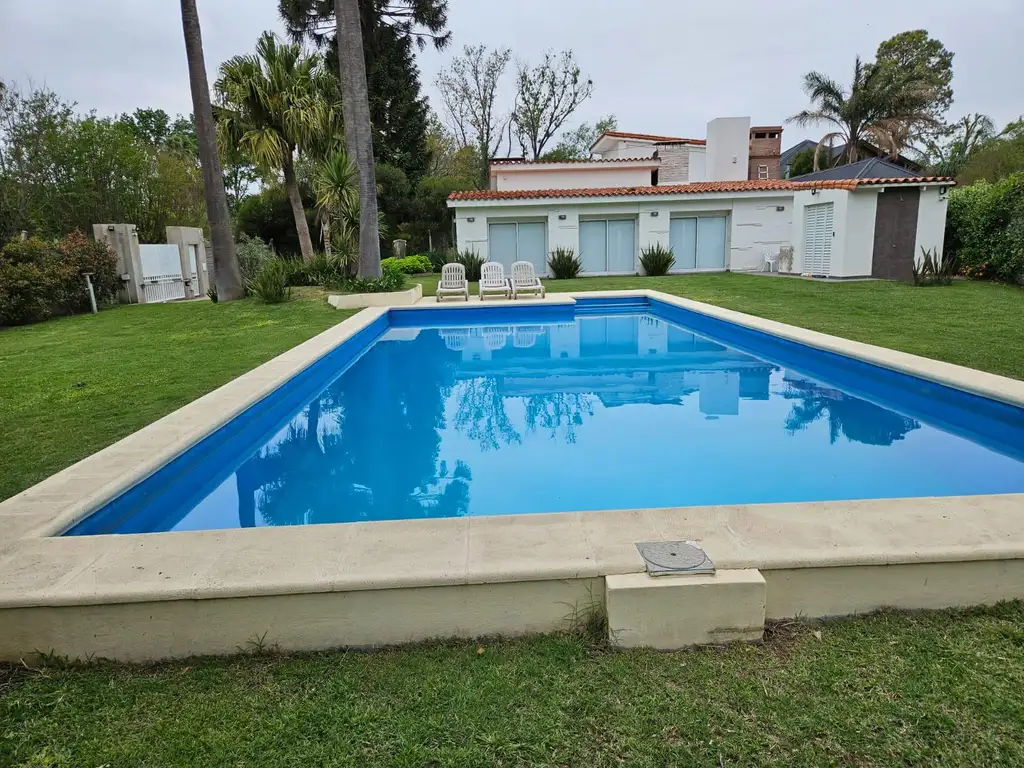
664	557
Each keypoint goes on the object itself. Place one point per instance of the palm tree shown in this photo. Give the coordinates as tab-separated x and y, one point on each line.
275	104
358	134
336	184
883	103
227	278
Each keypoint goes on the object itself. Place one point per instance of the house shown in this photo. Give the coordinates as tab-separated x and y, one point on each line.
866	148
719	203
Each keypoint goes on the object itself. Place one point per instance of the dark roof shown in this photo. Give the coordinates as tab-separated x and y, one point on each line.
872	168
866	147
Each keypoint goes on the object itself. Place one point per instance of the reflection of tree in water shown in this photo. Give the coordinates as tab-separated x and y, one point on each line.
481	414
376	453
856	419
556	410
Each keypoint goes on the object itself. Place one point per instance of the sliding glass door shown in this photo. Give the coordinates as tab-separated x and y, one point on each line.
608	245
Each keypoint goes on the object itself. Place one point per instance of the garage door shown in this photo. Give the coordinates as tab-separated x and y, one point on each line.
698	242
608	245
818	228
518	241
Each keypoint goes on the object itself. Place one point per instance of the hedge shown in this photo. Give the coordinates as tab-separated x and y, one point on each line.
985	229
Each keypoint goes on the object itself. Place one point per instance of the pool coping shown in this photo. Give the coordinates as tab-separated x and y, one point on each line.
40	569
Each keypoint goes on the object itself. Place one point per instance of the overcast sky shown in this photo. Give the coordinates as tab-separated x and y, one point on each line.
661	66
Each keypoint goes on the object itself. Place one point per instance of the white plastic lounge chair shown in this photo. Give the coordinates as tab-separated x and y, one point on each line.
453	282
526	336
492	279
524	280
455	338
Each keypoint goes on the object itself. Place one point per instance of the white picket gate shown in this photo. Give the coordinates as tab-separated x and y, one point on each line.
161	273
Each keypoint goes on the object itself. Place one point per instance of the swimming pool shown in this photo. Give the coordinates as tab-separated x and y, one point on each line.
605	404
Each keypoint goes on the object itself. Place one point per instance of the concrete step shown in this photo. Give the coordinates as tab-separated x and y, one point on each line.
672	612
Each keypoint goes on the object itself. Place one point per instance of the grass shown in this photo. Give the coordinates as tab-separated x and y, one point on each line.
980	325
889	689
72	386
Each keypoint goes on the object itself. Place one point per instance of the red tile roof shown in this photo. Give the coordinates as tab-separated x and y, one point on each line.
647	137
697	188
521	161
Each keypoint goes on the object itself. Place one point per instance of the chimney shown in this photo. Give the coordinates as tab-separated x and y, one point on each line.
765	148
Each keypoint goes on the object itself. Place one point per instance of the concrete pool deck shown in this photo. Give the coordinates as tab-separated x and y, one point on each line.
140	597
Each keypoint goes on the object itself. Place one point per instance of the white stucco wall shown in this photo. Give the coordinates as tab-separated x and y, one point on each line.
630	148
698	162
802	199
610	175
931	221
728	149
754	221
858	234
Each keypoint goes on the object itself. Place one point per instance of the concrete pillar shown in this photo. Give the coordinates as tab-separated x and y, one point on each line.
123	239
188	239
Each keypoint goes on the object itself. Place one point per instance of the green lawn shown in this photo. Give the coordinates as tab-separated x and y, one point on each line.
71	386
941	689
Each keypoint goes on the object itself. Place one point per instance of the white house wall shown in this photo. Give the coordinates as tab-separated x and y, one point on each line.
573	178
698	161
931	221
858	234
630	148
839	198
753	222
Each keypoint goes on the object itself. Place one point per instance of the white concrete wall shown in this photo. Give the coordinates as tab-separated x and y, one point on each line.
630	148
698	164
931	221
801	199
610	175
728	149
754	221
758	223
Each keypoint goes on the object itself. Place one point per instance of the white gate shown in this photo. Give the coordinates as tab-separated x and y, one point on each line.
161	273
818	228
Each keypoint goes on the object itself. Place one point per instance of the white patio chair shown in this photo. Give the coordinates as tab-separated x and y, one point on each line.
525	336
453	282
455	339
524	280
770	257
492	279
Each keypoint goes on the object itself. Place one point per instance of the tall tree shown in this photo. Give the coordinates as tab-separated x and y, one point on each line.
928	60
391	31
226	276
275	104
358	132
469	90
881	104
546	96
962	140
576	144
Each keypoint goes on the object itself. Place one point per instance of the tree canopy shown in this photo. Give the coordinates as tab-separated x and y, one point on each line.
927	60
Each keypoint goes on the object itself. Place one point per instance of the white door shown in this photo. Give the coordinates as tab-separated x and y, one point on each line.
518	241
818	236
608	246
682	238
711	242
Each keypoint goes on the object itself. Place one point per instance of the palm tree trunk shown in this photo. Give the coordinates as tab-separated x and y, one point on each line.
358	134
291	186
226	276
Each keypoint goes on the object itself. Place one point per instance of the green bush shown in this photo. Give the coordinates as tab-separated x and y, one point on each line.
439	258
410	265
271	283
985	229
473	262
933	269
325	271
656	260
564	264
391	279
252	254
39	279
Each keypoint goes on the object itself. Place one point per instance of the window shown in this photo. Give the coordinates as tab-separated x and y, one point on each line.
762	171
773	135
760	135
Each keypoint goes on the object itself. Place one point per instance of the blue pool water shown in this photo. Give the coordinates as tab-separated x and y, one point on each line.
611	405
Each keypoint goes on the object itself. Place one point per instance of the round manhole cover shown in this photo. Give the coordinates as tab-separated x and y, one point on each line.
674	556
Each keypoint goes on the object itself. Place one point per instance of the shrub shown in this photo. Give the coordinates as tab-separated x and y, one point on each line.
410	265
391	279
252	254
564	264
325	271
985	229
656	260
439	258
39	279
934	269
271	283
472	261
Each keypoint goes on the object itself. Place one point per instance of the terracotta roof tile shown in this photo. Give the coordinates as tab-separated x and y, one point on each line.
697	188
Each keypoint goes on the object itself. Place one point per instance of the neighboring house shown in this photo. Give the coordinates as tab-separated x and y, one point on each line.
708	200
870	150
872	168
